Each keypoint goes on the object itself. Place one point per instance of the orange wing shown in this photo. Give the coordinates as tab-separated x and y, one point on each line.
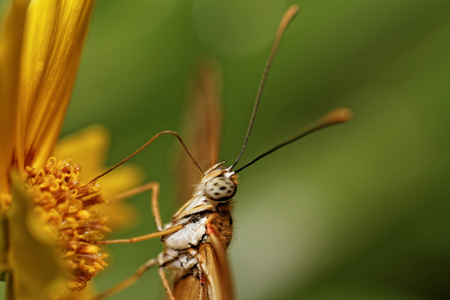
189	288
214	266
201	125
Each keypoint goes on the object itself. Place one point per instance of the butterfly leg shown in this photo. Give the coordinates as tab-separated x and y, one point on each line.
129	281
154	186
155	197
155	207
144	237
165	282
135	191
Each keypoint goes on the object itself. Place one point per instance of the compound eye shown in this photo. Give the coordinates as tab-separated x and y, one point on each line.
220	189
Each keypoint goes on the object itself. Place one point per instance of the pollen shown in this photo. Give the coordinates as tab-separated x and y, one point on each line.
70	212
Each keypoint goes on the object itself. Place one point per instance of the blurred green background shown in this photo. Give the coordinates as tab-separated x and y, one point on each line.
357	211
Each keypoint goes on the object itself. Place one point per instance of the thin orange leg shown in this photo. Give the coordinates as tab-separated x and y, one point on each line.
135	191
142	237
155	197
155	207
154	186
166	284
129	281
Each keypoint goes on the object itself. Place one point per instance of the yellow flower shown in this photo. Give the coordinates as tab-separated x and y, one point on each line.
49	216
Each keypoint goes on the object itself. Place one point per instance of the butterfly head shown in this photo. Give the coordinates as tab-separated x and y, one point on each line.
220	183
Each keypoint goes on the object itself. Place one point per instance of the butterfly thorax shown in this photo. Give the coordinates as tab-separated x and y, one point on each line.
181	247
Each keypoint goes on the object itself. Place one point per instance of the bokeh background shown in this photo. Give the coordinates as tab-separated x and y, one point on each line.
357	211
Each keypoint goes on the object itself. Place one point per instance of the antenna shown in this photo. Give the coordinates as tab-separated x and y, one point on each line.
285	21
145	146
336	116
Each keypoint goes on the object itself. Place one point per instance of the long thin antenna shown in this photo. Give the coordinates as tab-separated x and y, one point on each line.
336	116
285	21
145	146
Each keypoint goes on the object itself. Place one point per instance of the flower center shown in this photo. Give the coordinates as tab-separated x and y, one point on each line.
70	211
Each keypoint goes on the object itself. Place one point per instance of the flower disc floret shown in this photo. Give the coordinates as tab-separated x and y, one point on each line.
69	210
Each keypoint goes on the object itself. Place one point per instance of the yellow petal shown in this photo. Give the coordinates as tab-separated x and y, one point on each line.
54	35
121	180
10	45
88	148
120	214
34	263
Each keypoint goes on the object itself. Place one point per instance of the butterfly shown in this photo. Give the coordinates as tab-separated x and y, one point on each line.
196	238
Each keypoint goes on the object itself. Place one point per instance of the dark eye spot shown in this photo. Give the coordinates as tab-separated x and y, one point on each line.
222	188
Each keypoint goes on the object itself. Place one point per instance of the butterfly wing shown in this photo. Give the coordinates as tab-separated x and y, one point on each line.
214	267
201	125
189	288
